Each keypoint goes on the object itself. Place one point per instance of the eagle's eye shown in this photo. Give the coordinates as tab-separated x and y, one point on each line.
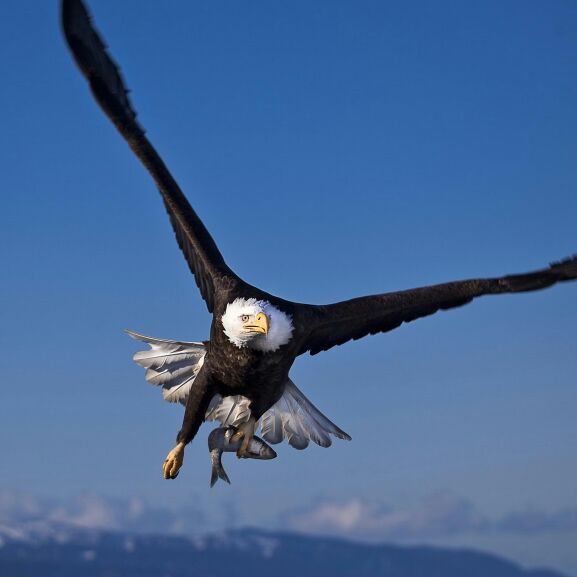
244	318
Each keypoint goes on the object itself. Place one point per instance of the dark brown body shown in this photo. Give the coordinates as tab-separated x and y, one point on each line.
231	370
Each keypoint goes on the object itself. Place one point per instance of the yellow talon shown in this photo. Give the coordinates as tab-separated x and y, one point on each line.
173	462
246	433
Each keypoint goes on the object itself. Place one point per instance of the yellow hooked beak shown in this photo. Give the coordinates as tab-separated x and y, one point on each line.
260	324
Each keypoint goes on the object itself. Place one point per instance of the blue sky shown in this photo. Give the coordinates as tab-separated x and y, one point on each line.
388	145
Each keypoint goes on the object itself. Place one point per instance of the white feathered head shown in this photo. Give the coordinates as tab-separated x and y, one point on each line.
256	324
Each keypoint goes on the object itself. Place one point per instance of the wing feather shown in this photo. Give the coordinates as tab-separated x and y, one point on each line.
200	251
335	324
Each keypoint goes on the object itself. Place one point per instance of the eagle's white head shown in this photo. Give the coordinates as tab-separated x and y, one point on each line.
256	324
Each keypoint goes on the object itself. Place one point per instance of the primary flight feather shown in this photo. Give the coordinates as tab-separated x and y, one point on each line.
240	376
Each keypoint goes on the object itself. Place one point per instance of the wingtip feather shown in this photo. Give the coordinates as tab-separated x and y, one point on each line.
567	267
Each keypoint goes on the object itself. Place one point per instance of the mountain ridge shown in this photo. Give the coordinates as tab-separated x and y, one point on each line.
54	550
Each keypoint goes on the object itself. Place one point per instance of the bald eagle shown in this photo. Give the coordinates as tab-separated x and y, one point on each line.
241	374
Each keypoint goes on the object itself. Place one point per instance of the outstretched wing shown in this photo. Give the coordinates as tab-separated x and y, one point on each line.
338	323
201	253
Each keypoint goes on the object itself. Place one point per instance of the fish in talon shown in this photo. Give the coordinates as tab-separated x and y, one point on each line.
220	441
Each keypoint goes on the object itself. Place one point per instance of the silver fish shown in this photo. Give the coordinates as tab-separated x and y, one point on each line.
219	441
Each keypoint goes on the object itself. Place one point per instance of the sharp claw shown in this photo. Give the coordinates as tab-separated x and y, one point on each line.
243	449
241	453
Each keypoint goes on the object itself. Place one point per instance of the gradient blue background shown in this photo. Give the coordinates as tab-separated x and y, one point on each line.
379	146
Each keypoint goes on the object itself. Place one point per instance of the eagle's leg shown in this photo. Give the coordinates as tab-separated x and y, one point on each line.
246	432
198	400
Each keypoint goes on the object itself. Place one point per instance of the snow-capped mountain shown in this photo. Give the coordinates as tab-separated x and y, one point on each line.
60	550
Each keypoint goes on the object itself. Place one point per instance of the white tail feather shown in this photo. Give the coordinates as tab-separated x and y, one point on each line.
324	423
299	421
230	411
170	364
272	426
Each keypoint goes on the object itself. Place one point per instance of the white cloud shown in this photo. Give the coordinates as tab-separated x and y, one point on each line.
97	512
439	515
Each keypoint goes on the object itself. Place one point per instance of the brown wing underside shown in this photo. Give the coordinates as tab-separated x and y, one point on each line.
103	75
335	324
